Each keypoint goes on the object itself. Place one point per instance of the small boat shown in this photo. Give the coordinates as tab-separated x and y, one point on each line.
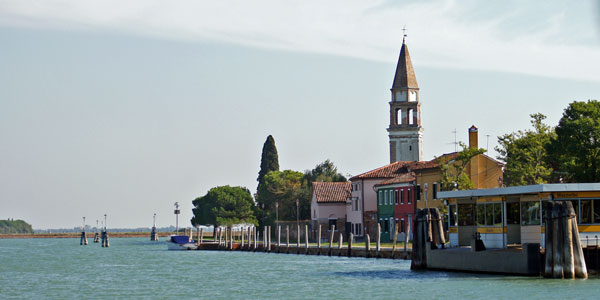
181	242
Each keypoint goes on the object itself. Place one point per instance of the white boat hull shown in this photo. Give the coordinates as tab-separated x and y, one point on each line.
175	246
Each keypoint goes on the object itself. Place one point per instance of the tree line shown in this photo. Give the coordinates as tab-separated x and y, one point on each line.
15	226
285	195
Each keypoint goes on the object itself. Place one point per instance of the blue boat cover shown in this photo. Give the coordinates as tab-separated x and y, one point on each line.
180	239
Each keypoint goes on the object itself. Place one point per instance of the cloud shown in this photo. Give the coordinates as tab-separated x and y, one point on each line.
494	36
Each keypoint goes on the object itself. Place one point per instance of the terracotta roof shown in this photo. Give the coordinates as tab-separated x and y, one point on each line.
388	171
405	74
400	179
332	192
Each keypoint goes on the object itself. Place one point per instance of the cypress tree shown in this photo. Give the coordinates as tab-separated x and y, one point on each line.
269	160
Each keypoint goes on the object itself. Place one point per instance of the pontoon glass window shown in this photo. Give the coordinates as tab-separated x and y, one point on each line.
530	213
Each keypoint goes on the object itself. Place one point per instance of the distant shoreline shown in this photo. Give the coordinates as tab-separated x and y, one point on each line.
77	235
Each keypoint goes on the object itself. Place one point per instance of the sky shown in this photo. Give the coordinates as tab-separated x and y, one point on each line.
125	107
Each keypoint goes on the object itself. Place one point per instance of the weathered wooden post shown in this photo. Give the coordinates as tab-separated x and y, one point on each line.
278	238
340	242
578	259
319	241
406	236
231	238
368	245
331	239
242	239
557	243
378	244
269	239
201	235
350	240
548	268
395	240
298	240
306	236
568	261
287	236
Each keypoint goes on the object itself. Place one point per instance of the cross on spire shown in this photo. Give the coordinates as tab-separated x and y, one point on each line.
403	34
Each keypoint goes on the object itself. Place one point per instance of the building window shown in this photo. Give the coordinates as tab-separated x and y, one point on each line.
530	213
418	192
453	214
401	196
409	197
380	197
396	196
402	225
391	225
434	190
332	222
386	223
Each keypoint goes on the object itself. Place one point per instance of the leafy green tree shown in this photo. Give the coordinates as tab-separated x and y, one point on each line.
324	172
453	168
224	205
15	226
525	153
575	150
282	187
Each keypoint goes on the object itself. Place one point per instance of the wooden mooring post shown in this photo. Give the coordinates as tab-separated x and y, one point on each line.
378	243
319	241
406	236
298	240
287	236
306	235
278	238
395	240
368	244
201	235
350	240
331	240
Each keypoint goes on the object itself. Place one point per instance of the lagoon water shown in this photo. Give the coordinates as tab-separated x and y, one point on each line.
134	268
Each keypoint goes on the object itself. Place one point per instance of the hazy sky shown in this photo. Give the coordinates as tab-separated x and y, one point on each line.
124	107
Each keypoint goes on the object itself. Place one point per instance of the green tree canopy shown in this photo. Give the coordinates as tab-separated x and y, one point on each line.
453	168
324	172
15	226
525	153
282	187
575	150
224	205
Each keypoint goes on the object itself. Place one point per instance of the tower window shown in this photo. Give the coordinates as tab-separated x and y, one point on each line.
398	117
409	116
410	148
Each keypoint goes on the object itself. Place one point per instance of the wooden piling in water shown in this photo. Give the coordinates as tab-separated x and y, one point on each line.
395	239
298	240
83	241
368	245
556	243
407	234
306	235
331	240
278	238
287	236
340	242
568	262
319	241
350	240
378	244
201	235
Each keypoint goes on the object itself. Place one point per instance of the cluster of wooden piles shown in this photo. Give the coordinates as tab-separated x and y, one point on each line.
428	229
564	254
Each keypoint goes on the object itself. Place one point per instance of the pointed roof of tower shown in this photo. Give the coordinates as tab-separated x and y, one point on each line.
405	74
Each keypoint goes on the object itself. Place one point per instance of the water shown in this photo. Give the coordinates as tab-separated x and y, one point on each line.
138	268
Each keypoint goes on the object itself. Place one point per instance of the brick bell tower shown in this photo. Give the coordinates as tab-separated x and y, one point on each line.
405	131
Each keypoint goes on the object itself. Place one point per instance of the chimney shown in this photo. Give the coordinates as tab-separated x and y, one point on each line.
473	137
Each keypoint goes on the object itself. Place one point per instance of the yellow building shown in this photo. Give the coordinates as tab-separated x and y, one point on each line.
484	171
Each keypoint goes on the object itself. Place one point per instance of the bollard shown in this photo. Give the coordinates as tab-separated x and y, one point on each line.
331	239
83	241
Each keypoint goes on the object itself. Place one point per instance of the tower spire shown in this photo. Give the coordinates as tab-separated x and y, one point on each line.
403	34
